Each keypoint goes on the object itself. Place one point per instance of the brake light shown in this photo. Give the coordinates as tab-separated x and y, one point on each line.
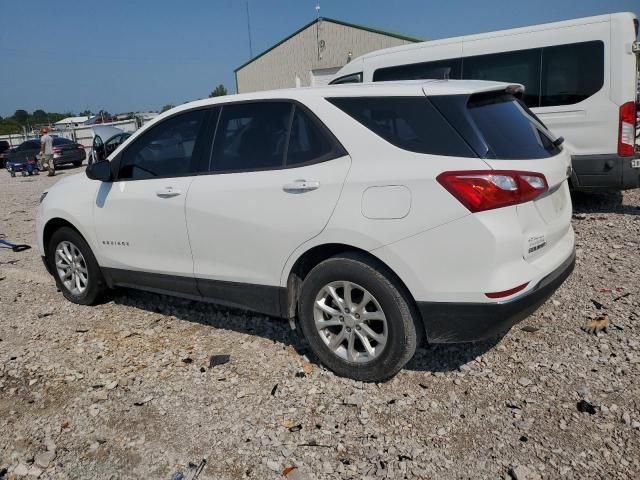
627	130
57	150
80	147
481	190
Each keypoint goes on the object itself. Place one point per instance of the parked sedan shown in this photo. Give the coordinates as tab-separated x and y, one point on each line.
64	152
4	149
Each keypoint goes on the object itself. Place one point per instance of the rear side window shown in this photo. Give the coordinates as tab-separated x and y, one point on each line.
439	69
251	136
508	129
307	143
352	78
571	73
522	66
166	150
410	123
61	141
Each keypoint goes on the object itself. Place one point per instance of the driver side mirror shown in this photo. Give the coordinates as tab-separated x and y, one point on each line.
100	171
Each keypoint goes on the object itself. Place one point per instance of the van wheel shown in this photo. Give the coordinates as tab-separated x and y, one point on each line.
74	267
356	319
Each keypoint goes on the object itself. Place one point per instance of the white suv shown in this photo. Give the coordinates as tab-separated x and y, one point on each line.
374	214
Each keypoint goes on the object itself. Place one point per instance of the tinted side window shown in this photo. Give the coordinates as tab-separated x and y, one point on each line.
166	150
522	66
251	136
571	73
306	142
410	123
352	78
439	69
61	141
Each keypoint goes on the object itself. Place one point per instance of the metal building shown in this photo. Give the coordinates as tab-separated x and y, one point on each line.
312	55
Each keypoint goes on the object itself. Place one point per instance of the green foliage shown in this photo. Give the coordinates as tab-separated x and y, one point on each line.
219	91
166	107
21	116
9	125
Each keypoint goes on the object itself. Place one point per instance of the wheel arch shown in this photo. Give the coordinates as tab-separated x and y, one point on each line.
54	224
313	256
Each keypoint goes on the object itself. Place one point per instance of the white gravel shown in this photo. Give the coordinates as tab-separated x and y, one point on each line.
124	390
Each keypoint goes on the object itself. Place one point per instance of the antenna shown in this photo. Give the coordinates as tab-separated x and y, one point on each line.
318	28
249	29
318	9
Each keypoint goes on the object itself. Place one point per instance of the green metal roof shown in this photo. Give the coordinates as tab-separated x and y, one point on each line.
339	22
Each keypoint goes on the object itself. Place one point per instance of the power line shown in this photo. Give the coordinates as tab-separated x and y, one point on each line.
249	29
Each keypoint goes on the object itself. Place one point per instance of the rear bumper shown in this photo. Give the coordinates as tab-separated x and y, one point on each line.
604	172
448	322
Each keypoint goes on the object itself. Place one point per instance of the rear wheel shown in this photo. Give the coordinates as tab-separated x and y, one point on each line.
356	318
74	267
77	164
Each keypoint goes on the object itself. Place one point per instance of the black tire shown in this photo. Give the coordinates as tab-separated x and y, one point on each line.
77	164
96	286
403	329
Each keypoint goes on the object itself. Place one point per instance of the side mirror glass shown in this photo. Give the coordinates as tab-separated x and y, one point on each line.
100	171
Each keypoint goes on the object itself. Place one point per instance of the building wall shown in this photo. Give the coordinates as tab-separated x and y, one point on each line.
298	56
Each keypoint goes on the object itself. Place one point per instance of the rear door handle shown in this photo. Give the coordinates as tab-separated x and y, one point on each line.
301	186
168	192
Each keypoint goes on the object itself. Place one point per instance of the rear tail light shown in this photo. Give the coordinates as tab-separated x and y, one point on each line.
80	147
57	150
481	190
627	131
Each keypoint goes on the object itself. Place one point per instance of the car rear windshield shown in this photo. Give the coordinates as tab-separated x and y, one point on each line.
494	125
509	128
61	141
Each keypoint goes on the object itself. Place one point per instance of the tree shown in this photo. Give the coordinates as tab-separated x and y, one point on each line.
39	117
85	113
166	107
21	116
219	91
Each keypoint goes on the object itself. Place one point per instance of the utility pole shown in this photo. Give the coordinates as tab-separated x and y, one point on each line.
249	29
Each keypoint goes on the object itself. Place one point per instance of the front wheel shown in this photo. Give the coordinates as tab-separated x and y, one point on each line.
74	267
357	318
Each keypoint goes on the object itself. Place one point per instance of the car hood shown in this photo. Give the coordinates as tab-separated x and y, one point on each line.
66	182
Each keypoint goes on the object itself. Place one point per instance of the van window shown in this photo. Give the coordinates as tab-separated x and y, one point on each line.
522	66
166	150
410	123
306	142
352	78
251	136
571	73
508	129
440	69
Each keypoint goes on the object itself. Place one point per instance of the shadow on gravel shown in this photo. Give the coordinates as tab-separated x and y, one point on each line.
609	202
428	358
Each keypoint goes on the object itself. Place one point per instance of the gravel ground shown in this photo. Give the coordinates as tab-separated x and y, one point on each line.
129	389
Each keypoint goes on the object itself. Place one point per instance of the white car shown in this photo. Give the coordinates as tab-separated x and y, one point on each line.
374	214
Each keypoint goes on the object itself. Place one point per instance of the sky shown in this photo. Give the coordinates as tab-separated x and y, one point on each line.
125	55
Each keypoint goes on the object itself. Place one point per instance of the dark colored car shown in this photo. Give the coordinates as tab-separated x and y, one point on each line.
64	152
4	148
105	141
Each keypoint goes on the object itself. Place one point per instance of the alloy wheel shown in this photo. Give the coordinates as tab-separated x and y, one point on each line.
71	268
350	321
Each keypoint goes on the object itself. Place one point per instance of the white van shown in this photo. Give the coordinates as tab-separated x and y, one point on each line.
580	79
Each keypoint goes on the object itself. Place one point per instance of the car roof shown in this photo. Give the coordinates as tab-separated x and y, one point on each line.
105	131
398	89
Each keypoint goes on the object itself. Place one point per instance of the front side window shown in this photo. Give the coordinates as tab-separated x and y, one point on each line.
251	136
166	150
352	78
410	123
571	73
522	66
439	69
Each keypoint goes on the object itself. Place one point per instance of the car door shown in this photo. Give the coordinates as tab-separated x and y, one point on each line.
276	176
139	218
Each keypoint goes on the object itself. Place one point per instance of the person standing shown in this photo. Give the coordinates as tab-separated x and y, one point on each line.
46	151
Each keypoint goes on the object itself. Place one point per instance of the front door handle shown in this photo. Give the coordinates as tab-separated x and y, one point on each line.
168	192
301	186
